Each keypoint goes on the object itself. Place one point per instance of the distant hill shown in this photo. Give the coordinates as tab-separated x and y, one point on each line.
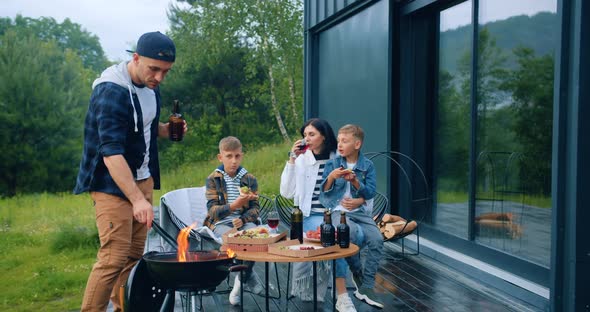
538	32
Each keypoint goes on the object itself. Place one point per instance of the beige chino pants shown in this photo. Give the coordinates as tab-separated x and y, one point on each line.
122	241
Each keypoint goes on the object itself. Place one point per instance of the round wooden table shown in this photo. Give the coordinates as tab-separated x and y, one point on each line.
262	256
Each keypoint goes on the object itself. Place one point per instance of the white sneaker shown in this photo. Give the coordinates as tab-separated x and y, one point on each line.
234	295
368	296
344	303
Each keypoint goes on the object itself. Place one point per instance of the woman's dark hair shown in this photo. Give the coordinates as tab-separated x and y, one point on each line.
324	129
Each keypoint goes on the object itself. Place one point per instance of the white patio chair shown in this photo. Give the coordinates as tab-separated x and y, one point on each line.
183	207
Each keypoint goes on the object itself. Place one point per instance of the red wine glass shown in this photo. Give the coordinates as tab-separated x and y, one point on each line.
273	220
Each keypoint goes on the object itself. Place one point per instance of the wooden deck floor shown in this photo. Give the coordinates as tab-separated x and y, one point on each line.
414	283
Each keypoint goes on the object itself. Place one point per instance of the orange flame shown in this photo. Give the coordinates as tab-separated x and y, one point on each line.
230	253
182	241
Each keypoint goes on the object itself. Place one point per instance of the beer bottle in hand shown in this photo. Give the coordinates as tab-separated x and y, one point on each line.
297	224
327	230
176	124
343	231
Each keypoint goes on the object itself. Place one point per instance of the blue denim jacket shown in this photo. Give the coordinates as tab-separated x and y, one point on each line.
365	172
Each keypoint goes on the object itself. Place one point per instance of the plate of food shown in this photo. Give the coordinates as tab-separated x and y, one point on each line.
257	232
312	236
257	235
304	247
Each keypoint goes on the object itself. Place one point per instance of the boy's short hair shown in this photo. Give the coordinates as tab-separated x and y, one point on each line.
356	131
229	143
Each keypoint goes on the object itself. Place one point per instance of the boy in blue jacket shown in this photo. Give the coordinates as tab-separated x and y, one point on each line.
349	181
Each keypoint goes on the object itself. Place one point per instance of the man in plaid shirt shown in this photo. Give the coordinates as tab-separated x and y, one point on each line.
119	164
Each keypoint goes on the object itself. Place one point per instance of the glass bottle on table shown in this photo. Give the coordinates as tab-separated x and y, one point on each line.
343	231
297	224
327	230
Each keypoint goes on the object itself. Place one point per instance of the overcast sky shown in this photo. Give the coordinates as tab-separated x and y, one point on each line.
117	23
493	10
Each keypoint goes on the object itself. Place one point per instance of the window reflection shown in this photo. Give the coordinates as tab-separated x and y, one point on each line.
513	130
514	127
451	155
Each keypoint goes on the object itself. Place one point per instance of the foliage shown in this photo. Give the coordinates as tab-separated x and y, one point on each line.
268	37
41	114
514	118
537	32
66	35
199	143
532	88
452	151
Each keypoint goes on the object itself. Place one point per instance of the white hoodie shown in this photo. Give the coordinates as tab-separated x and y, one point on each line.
119	74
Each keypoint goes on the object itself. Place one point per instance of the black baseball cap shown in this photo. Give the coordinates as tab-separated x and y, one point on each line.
157	46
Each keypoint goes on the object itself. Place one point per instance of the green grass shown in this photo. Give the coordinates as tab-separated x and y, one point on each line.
448	197
48	242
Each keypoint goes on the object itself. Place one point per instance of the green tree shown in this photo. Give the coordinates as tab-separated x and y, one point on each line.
272	33
66	35
531	85
41	114
453	150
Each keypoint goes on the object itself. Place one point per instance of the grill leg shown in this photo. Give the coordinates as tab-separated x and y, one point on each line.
168	304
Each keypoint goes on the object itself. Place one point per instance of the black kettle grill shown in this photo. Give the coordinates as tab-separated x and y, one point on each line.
153	281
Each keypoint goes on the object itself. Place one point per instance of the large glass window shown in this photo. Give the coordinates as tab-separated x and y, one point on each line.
451	151
512	128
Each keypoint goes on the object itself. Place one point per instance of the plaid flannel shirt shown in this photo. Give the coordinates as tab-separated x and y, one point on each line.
217	205
109	129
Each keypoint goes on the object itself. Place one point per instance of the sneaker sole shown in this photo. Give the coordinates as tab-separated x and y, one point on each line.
355	285
368	300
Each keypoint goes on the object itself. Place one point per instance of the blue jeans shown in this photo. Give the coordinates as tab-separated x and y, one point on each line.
365	234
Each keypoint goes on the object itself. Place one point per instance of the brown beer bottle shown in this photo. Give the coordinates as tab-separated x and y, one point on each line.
327	230
176	124
343	231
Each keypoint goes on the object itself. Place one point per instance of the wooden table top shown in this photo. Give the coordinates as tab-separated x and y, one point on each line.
263	256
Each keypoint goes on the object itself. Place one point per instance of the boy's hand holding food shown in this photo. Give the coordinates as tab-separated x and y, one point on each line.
341	172
237	222
246	192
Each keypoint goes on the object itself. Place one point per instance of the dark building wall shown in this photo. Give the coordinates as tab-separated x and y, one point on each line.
352	76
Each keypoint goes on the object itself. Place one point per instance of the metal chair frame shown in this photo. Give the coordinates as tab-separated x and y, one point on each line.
426	198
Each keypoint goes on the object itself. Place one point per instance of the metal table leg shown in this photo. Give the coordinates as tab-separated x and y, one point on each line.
334	285
241	290
315	287
266	284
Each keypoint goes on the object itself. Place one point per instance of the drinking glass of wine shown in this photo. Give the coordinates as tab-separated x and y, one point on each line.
273	220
